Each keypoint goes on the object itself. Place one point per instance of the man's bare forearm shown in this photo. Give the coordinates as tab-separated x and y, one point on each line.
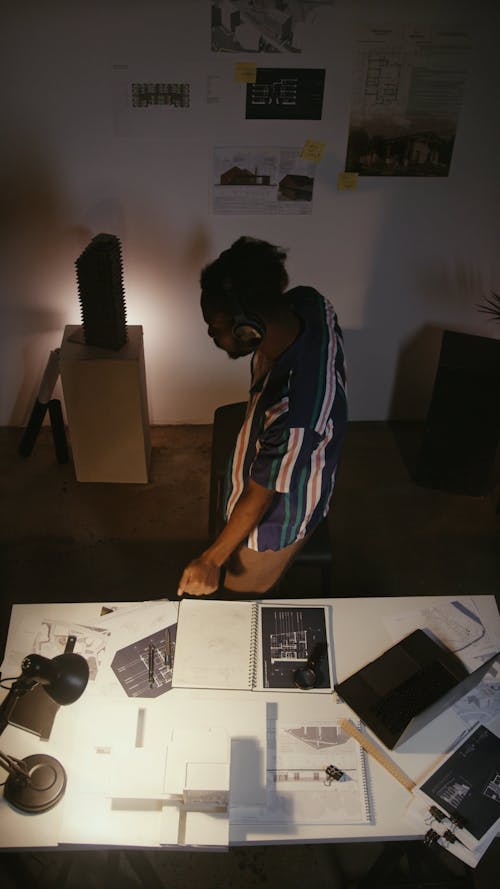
201	576
249	510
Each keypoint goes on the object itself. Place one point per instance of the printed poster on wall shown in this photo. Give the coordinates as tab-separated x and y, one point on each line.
268	180
408	90
149	102
286	94
265	25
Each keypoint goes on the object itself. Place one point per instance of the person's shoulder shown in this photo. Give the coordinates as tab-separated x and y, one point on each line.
302	292
306	300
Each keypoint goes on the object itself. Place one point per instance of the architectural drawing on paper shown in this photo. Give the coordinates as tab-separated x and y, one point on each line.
290	636
262	25
319	737
282	91
286	94
175	95
294	187
383	79
131	665
241	176
50	640
261	180
454	793
408	88
492	789
289	642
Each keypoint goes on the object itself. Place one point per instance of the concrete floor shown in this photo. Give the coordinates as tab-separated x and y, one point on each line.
62	540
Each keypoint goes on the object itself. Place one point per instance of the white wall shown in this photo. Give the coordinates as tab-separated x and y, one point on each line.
401	259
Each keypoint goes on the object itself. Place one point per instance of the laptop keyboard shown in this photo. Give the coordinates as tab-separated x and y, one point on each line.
421	690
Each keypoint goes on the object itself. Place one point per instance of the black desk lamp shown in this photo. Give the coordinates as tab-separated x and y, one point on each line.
37	782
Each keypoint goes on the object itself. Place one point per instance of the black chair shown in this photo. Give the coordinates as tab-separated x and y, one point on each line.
228	419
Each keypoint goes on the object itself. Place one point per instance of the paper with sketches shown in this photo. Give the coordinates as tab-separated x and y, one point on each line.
298	789
124	669
457	624
464	787
261	181
286	94
48	636
152	101
143	668
481	703
408	87
271	27
147	773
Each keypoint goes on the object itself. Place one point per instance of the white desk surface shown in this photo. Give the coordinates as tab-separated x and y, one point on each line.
360	633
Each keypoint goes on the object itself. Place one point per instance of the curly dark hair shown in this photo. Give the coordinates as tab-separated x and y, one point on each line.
251	273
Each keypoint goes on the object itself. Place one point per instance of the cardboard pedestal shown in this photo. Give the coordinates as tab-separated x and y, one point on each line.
106	406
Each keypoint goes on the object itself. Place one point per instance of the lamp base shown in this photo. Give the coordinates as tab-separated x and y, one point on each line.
42	790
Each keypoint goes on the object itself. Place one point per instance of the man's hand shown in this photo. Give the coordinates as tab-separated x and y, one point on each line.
200	578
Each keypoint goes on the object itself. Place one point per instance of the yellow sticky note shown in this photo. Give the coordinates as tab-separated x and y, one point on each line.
245	72
312	150
346	181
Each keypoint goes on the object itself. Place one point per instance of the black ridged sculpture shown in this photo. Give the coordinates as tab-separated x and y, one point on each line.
101	293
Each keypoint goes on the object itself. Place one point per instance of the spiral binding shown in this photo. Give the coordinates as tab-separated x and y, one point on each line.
254	635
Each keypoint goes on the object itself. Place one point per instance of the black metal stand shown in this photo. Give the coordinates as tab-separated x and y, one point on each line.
35	421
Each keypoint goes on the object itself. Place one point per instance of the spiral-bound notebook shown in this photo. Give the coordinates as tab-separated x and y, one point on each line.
250	645
315	774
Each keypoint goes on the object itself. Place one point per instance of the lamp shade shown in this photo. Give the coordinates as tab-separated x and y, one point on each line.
63	677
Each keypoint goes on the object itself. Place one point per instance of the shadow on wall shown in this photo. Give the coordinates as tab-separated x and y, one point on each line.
36	243
39	244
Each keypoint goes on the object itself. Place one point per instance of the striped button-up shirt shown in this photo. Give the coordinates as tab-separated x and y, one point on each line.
294	427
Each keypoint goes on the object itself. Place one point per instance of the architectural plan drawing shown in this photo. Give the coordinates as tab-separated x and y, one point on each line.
481	703
286	94
458	625
150	100
408	87
298	788
251	645
49	638
143	668
289	637
467	783
175	95
253	180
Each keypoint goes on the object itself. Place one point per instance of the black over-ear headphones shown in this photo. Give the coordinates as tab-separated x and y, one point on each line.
247	328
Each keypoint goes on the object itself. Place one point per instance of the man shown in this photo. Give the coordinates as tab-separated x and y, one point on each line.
283	467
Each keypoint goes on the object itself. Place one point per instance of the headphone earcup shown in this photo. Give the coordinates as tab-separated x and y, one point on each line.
248	329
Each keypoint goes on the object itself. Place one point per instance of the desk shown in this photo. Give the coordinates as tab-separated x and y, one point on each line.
359	631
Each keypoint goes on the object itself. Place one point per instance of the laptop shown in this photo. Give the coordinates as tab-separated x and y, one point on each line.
407	686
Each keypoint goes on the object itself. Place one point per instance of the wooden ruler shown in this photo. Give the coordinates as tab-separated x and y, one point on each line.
378	754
